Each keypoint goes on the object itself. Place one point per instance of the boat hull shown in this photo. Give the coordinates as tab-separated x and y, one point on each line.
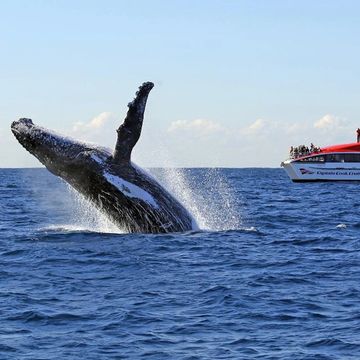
309	172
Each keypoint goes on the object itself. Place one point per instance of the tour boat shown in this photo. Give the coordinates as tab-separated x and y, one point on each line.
337	162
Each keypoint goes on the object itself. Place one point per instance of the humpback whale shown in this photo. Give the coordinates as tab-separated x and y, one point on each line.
128	195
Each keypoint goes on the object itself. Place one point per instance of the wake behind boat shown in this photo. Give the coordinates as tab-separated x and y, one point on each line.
331	163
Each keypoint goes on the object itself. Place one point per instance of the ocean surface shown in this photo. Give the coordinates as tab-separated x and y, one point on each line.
274	272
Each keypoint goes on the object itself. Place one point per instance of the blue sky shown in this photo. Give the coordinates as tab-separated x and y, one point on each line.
236	82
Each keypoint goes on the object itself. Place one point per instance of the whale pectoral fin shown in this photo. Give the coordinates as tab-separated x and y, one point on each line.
129	132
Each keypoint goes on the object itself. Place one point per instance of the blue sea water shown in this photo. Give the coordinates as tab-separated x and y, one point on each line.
273	274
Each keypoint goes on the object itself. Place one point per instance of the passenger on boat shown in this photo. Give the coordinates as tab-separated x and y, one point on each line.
303	150
358	135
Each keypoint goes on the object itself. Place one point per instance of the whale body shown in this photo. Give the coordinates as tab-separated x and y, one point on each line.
128	195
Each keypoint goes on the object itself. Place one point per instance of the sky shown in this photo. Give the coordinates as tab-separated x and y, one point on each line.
236	82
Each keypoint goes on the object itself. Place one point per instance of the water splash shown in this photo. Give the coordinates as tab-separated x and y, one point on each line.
205	193
87	217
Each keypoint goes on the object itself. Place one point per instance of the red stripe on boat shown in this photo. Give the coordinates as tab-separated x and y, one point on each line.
352	147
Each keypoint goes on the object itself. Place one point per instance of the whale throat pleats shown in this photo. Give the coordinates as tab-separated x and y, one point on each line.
130	130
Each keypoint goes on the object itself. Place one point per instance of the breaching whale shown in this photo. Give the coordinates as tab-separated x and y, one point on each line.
128	195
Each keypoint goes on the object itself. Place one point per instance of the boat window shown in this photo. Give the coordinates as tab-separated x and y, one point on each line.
343	158
335	158
352	157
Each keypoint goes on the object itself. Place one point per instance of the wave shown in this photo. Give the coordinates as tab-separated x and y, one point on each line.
79	228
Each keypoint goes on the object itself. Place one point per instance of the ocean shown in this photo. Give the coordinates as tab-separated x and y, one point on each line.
274	272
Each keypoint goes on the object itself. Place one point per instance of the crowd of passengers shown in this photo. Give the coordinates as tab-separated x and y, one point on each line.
302	150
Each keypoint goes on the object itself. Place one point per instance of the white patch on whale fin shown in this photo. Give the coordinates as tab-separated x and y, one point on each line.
131	190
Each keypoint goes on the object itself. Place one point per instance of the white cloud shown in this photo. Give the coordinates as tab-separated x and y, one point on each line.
197	126
96	123
329	122
257	126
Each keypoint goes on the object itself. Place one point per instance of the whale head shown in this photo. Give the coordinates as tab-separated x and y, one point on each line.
53	150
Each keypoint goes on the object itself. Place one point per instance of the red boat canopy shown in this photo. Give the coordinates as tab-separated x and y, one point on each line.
353	147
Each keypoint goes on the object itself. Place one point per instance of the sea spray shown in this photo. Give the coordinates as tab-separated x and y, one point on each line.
88	217
205	193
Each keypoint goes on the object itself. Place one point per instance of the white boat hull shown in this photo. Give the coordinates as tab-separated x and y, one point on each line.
332	171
